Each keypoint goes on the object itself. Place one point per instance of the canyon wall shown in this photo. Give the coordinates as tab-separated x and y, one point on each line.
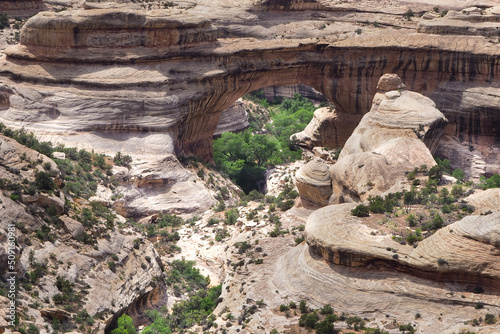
165	80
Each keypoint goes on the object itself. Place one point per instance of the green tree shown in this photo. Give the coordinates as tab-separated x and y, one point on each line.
159	325
409	199
43	181
459	175
437	221
125	325
4	20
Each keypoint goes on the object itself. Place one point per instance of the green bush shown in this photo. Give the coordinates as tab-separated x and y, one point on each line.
360	211
303	307
245	156
4	20
231	216
43	181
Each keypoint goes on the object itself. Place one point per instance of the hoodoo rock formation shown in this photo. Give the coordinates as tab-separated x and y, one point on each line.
169	74
400	133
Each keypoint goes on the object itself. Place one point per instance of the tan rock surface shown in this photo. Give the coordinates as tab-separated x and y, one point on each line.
314	183
484	201
324	130
390	140
75	228
378	291
233	119
464	247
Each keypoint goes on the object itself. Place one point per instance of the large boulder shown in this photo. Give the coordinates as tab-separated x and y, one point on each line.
314	182
400	132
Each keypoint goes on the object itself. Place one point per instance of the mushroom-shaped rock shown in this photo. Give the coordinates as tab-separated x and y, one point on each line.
399	133
314	183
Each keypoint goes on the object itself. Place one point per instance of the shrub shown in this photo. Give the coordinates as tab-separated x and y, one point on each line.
43	181
4	20
284	308
442	262
490	319
125	325
412	220
231	216
303	307
459	175
326	309
360	211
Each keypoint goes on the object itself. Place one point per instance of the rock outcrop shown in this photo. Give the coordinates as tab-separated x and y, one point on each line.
21	5
322	130
273	92
398	134
469	21
463	252
314	183
485	201
101	35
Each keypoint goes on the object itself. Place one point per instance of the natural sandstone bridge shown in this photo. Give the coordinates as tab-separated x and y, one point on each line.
118	73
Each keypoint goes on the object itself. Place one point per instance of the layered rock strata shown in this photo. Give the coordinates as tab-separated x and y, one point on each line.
273	92
463	252
233	119
21	5
314	183
469	21
485	201
378	291
167	80
400	133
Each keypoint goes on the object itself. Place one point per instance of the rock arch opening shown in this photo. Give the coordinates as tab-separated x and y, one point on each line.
259	131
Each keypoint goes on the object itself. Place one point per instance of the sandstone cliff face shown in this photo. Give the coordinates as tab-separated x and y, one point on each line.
469	21
399	134
273	92
134	282
323	131
21	5
183	96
